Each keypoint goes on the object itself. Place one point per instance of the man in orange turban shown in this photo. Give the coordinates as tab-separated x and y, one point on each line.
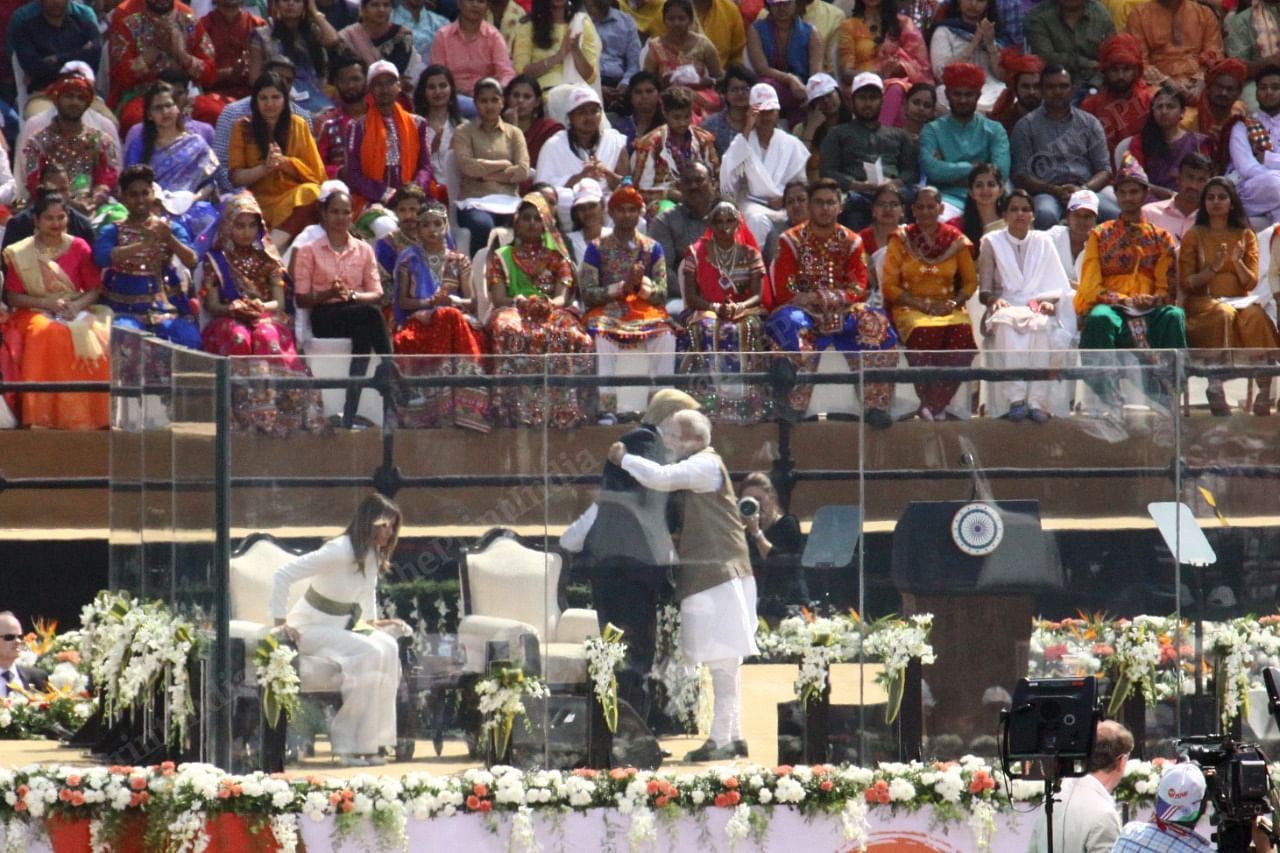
1220	101
1022	82
1122	104
84	152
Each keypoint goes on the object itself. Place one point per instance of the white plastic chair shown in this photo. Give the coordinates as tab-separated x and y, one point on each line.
478	288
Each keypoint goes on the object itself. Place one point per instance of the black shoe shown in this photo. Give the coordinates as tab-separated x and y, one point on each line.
878	418
710	752
738	748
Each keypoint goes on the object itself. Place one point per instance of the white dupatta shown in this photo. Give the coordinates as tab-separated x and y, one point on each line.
766	171
1040	278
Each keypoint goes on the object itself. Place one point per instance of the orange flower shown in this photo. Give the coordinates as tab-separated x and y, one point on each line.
334	799
586	772
137	783
731	782
77	798
480	789
137	800
661	802
783	770
485	805
652	787
71	655
870	795
473	802
73	780
721	800
826	785
617	774
982	781
347	806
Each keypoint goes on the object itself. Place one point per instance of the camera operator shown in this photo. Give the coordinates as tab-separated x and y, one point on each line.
1085	818
1179	804
774	542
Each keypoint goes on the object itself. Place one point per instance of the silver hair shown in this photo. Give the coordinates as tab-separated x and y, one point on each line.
688	431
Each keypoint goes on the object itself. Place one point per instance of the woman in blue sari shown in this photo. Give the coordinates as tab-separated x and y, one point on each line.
181	159
435	319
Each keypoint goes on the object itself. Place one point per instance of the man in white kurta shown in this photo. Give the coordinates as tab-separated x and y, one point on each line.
1254	146
714	584
369	658
759	163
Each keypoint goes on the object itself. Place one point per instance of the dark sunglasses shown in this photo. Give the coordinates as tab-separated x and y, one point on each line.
9	638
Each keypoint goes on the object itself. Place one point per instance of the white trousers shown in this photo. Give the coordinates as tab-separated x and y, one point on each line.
760	219
726	717
370	666
656	356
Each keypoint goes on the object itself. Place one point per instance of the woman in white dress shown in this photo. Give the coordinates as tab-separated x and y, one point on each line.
1022	282
335	620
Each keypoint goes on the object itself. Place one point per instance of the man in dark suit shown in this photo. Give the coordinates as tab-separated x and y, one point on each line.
629	549
13	676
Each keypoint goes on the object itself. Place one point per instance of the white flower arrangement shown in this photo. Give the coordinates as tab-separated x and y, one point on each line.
501	695
896	642
1137	657
681	680
278	679
605	654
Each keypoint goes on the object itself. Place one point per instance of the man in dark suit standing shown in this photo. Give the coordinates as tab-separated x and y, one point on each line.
12	676
629	549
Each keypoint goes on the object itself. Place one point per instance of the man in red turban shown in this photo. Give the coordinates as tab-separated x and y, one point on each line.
1022	87
952	145
1122	104
1220	101
962	75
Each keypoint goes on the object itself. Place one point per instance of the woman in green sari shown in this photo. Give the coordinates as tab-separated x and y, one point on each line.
530	286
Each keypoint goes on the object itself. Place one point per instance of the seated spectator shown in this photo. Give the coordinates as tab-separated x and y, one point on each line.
44	37
681	54
983	206
1025	289
22	224
274	155
299	31
436	100
180	86
849	147
492	160
678	228
728	123
818	301
332	126
339	13
619	50
526	111
557	44
970	33
822	112
760	162
877	39
282	67
86	153
1249	38
472	49
14	676
1179	39
336	278
1163	143
139	282
436	316
57	325
586	218
1220	102
1022	94
376	38
662	153
920	108
928	277
642	110
388	147
723	278
1252	158
1218	263
1127	285
150	37
1070	239
795	201
530	287
623	281
825	18
786	50
229	28
952	145
1177	214
421	22
723	23
1070	33
180	158
887	212
404	204
245	295
583	150
506	16
1125	99
1059	149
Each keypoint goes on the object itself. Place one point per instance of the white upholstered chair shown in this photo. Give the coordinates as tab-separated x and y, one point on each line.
510	590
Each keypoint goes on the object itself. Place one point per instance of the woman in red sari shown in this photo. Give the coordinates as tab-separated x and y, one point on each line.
57	332
530	286
244	285
436	316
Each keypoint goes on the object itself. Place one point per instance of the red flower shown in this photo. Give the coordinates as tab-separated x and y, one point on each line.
1055	652
721	800
73	780
733	797
826	785
982	781
485	805
473	802
652	787
347	806
137	783
480	789
784	770
661	802
731	782
870	795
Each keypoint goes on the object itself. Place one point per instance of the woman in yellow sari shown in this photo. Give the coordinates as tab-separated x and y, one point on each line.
57	333
929	275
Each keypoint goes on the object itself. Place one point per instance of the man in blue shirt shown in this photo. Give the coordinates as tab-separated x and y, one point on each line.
952	145
619	50
45	36
414	16
1179	804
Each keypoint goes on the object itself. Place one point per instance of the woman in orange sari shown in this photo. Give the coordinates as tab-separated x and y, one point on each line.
57	333
929	275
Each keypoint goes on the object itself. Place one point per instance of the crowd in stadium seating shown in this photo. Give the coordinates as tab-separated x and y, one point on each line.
705	182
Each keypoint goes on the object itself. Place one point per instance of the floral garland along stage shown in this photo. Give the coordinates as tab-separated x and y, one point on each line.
1155	655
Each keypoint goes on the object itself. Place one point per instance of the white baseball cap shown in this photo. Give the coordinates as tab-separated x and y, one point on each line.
1083	200
1180	793
581	96
379	68
78	68
867	78
587	191
819	86
763	97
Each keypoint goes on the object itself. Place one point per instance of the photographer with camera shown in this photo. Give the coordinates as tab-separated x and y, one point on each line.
774	542
1179	803
1087	821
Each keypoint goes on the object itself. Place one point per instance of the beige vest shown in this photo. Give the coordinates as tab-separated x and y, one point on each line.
713	541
